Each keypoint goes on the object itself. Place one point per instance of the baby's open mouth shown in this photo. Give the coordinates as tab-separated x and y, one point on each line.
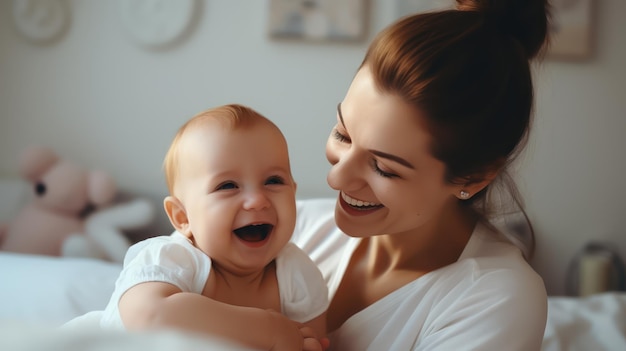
254	232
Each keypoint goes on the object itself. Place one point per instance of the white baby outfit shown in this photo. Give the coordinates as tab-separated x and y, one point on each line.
173	259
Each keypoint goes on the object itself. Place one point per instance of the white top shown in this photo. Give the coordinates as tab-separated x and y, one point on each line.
490	299
173	259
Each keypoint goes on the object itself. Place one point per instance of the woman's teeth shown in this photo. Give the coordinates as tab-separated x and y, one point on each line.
358	203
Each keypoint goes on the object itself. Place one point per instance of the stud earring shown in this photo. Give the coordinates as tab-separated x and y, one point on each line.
464	195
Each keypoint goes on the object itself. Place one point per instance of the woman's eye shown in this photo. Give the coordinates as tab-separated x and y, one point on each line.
381	172
226	186
274	180
340	137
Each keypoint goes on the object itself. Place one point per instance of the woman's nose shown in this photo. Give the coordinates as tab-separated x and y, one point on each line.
345	173
255	199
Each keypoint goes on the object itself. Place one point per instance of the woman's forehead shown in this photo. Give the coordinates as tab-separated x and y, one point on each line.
383	121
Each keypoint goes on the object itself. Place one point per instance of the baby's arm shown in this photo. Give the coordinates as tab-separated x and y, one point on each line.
156	304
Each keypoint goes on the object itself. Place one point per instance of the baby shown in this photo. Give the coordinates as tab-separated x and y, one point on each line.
229	268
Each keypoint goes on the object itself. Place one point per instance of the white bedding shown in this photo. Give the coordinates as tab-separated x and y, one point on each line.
39	294
593	323
29	337
52	290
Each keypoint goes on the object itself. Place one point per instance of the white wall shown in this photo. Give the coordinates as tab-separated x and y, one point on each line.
573	174
103	101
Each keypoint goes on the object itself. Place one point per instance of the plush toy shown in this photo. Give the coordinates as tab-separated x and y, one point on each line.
72	213
103	230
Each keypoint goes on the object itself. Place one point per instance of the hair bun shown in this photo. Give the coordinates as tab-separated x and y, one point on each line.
526	20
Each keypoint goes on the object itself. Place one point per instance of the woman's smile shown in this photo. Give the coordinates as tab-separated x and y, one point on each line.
360	204
356	207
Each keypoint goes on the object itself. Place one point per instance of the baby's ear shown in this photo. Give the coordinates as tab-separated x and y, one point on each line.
177	215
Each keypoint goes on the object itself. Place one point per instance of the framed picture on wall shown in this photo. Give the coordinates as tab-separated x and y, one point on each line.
571	29
318	20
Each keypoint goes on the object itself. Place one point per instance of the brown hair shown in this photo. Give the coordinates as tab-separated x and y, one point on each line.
468	70
231	116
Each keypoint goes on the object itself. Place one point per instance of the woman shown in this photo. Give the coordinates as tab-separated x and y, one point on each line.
439	107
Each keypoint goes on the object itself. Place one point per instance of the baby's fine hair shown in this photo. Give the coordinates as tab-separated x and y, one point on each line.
231	117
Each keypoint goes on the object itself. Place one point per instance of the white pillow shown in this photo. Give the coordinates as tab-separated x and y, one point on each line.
53	290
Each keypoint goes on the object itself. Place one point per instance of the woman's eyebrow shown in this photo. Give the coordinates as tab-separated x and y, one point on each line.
391	157
340	115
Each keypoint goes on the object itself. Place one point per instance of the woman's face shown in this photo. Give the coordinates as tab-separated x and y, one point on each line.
381	165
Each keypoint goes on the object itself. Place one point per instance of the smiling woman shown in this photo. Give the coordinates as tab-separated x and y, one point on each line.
439	106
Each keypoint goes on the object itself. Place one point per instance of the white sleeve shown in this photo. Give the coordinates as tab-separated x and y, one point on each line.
485	319
303	292
160	259
163	261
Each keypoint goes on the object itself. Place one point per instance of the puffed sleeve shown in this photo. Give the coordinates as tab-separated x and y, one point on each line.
164	260
303	292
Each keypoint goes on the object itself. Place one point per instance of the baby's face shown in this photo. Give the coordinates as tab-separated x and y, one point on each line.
237	190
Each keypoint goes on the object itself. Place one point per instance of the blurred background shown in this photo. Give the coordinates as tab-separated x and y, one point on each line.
107	84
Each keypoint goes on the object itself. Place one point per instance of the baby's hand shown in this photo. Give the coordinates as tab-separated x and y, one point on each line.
312	342
287	335
290	336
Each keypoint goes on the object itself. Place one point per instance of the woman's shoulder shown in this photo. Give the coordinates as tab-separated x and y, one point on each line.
317	212
490	283
315	226
319	237
492	263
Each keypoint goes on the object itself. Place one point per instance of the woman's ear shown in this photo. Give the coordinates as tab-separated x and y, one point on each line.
474	185
177	215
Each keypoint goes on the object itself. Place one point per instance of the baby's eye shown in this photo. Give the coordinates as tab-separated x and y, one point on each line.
275	180
340	137
226	186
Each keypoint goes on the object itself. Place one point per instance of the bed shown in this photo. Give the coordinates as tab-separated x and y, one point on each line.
39	294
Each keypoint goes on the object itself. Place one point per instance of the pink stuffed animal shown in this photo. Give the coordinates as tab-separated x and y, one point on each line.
65	195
